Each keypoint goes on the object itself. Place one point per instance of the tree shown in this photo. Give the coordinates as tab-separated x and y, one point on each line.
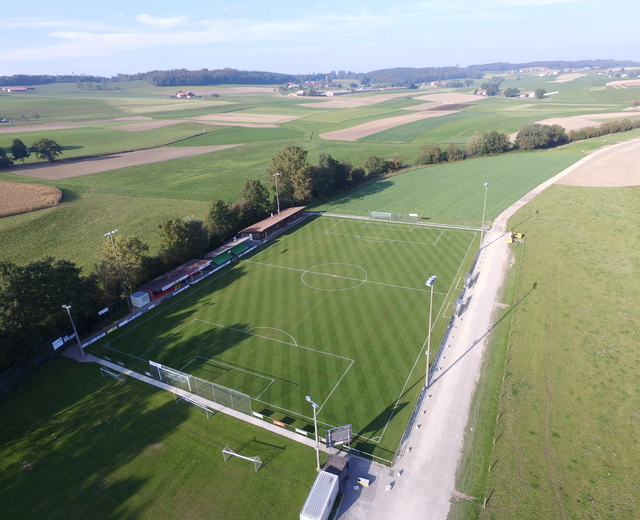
46	149
494	142
133	262
294	181
220	222
5	162
255	197
19	150
182	239
511	92
430	154
375	165
31	299
535	135
539	93
357	175
454	153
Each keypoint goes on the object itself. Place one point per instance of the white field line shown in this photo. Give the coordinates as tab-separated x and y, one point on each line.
336	386
385	240
267	388
342	277
451	288
447	310
273	339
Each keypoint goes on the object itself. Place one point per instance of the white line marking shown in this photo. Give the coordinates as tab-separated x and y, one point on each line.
336	385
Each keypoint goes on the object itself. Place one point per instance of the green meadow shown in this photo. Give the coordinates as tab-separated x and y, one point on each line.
76	445
561	370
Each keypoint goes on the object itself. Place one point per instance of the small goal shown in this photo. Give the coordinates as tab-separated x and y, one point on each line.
227	453
411	218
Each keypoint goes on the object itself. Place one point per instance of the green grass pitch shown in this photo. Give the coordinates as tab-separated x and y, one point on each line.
337	310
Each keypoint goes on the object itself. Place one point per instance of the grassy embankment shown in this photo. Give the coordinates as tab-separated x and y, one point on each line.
567	388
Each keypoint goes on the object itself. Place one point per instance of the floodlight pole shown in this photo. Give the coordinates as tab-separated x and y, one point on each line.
484	211
68	308
276	175
315	425
124	285
429	283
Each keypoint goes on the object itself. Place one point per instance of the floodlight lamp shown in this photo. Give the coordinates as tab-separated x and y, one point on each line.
309	399
486	184
429	282
66	307
276	175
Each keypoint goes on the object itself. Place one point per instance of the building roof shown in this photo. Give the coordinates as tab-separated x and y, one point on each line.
267	223
319	497
170	278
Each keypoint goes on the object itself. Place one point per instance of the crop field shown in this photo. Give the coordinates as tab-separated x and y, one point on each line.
336	310
20	197
76	445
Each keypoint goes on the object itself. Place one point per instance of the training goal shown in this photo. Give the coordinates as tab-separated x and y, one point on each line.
411	218
227	453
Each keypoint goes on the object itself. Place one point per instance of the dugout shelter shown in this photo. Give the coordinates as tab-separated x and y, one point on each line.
174	279
265	228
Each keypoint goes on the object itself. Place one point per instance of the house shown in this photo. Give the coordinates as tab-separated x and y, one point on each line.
481	93
18	89
185	95
528	95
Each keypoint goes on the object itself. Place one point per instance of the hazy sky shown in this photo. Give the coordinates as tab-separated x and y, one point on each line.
108	37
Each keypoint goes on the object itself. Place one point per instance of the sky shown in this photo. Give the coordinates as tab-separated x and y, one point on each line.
117	36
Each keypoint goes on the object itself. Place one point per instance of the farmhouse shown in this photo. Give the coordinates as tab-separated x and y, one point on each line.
528	95
185	95
18	89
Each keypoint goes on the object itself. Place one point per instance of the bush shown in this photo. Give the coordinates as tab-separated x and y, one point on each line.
430	154
375	165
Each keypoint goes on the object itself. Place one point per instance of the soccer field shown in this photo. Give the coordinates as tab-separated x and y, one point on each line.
336	309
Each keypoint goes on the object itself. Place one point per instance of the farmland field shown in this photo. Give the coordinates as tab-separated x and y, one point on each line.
336	310
75	445
567	397
454	192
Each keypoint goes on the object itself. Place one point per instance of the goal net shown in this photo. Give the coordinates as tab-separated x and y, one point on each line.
227	453
411	218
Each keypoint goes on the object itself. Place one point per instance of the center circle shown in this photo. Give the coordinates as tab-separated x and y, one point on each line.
334	276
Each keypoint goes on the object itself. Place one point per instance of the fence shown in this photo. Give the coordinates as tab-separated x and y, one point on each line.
17	374
213	392
443	343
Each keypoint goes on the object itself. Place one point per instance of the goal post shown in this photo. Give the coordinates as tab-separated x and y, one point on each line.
227	453
410	218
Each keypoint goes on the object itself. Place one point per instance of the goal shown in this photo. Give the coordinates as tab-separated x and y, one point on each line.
227	453
411	218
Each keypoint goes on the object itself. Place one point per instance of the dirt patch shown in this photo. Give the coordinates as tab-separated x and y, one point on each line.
355	101
452	97
66	169
8	129
18	197
236	90
612	168
245	125
567	77
241	117
578	122
147	125
356	132
624	83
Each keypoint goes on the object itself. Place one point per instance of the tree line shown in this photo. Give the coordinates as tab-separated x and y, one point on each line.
178	77
42	148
